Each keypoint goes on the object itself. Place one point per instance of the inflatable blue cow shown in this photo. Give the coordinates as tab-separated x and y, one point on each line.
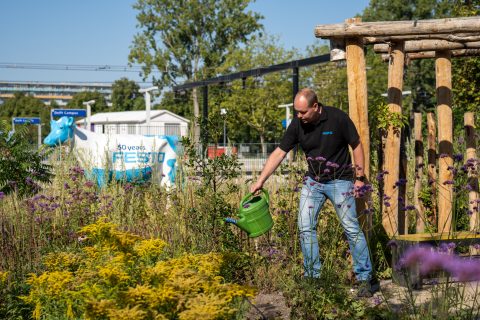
130	158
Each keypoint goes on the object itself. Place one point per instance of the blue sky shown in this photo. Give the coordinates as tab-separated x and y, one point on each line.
99	32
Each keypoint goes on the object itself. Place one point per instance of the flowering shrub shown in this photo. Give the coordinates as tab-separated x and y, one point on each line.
118	275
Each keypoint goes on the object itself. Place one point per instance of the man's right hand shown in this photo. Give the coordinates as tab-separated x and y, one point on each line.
256	187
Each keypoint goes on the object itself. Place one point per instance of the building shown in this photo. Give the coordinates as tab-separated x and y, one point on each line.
61	92
162	122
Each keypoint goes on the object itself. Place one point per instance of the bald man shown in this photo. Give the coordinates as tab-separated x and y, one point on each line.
324	134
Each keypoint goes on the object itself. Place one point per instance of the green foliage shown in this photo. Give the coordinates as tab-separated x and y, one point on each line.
382	118
252	106
181	38
22	105
214	176
78	99
126	96
188	40
21	165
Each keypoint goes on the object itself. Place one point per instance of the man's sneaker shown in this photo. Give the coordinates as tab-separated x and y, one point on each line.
367	288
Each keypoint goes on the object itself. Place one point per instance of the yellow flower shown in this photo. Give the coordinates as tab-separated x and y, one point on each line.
59	261
127	313
150	248
3	277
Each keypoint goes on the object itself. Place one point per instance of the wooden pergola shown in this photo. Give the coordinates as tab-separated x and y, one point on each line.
398	41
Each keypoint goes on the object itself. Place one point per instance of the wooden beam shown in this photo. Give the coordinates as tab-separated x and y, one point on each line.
390	210
432	161
443	72
460	37
393	28
431	54
358	109
428	45
419	208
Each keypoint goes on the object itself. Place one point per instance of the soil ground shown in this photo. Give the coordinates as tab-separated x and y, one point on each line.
272	306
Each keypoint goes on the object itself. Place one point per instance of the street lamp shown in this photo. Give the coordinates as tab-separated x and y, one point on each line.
89	112
147	103
223	113
287	113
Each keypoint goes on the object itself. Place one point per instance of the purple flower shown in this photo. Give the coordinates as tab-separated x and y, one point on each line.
401	182
309	158
332	164
327	171
246	205
2	195
392	243
429	260
89	184
320	159
444	155
448	182
458	157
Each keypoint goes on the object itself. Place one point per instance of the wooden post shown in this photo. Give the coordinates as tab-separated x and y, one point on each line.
472	165
471	158
443	70
358	108
390	213
432	162
420	210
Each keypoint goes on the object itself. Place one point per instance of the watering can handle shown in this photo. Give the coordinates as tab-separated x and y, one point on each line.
251	194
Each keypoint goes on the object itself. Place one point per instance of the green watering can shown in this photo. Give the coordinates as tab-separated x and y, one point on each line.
255	218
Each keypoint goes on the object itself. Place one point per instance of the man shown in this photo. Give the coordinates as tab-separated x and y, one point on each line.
324	133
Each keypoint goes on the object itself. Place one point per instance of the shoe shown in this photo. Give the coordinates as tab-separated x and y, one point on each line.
367	288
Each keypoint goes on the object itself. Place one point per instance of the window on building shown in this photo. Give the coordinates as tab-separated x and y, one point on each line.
172	129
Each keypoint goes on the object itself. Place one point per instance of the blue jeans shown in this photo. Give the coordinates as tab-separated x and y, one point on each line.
312	198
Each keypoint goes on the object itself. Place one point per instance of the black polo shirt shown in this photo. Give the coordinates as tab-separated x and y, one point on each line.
325	144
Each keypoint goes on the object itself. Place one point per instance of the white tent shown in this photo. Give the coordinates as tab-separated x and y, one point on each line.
162	122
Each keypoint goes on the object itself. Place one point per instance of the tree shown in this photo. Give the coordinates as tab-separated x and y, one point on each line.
420	77
186	40
21	165
253	109
126	96
22	105
466	73
78	99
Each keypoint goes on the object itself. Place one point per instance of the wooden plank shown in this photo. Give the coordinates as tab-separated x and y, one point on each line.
392	28
460	37
390	213
443	72
419	208
428	45
432	161
431	54
438	236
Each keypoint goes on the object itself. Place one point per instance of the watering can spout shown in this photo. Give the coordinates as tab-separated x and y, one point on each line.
230	220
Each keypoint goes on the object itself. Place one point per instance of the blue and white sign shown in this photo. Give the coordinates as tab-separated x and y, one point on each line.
26	120
69	113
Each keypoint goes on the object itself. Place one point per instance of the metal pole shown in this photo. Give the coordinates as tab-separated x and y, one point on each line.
89	115
205	113
148	107
39	135
224	134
